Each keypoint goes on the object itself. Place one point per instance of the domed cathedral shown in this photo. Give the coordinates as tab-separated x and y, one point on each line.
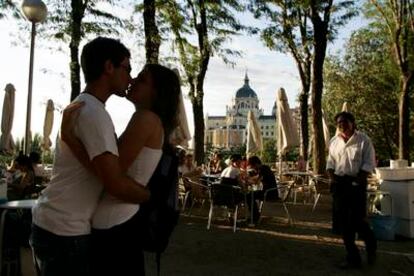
230	130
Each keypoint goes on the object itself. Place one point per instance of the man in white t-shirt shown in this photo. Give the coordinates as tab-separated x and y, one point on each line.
61	218
232	173
232	176
233	170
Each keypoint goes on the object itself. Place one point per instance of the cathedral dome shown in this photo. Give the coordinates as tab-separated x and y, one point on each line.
246	91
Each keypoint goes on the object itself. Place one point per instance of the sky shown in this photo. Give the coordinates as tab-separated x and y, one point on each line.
267	70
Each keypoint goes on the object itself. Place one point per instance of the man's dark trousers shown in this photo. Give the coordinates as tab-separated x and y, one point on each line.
352	198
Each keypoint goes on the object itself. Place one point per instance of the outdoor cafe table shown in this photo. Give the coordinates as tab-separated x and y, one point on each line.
209	178
26	204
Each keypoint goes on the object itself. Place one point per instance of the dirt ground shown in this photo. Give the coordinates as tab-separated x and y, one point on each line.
272	248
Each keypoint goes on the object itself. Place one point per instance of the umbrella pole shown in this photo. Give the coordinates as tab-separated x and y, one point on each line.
280	166
279	149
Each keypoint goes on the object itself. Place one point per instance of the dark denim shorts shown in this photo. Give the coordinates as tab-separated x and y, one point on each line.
61	255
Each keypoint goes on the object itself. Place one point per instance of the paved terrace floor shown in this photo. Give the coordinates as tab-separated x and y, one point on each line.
272	248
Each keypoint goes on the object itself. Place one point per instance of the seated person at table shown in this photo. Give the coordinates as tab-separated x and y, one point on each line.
217	164
19	186
264	175
181	159
188	169
243	164
233	176
301	164
212	160
37	165
233	170
13	173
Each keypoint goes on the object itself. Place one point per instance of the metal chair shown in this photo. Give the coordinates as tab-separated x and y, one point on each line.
197	193
319	180
182	193
304	185
284	189
225	195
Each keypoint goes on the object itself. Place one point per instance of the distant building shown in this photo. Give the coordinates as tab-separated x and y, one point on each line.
230	130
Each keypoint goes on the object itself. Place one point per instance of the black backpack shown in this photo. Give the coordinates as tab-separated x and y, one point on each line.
157	218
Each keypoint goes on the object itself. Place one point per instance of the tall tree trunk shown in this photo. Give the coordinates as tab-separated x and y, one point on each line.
152	36
404	119
77	14
198	131
388	142
198	112
304	122
319	158
204	48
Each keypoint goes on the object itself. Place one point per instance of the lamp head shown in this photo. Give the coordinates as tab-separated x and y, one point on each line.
34	10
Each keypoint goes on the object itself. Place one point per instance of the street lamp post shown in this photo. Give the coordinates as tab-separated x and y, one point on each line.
35	11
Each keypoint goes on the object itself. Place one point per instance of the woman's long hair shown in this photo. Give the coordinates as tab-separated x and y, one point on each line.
165	104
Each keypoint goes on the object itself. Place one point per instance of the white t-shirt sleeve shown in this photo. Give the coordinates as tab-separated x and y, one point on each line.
96	131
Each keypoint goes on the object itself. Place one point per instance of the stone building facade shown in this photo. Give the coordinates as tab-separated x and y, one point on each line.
230	130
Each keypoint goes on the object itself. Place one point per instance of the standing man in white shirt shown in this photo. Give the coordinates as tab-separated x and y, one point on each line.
351	159
62	218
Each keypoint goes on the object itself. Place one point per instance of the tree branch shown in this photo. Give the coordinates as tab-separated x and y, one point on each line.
384	16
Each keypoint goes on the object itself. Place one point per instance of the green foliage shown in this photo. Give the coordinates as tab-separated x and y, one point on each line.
292	155
95	21
48	157
10	8
36	143
210	150
183	19
303	28
269	151
234	150
397	19
288	31
19	144
199	30
367	79
289	28
5	160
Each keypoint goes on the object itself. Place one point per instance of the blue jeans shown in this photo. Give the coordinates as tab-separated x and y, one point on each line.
61	255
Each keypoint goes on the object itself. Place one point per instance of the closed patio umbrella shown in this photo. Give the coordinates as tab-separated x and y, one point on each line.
345	107
181	135
254	136
6	140
287	132
326	133
48	125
